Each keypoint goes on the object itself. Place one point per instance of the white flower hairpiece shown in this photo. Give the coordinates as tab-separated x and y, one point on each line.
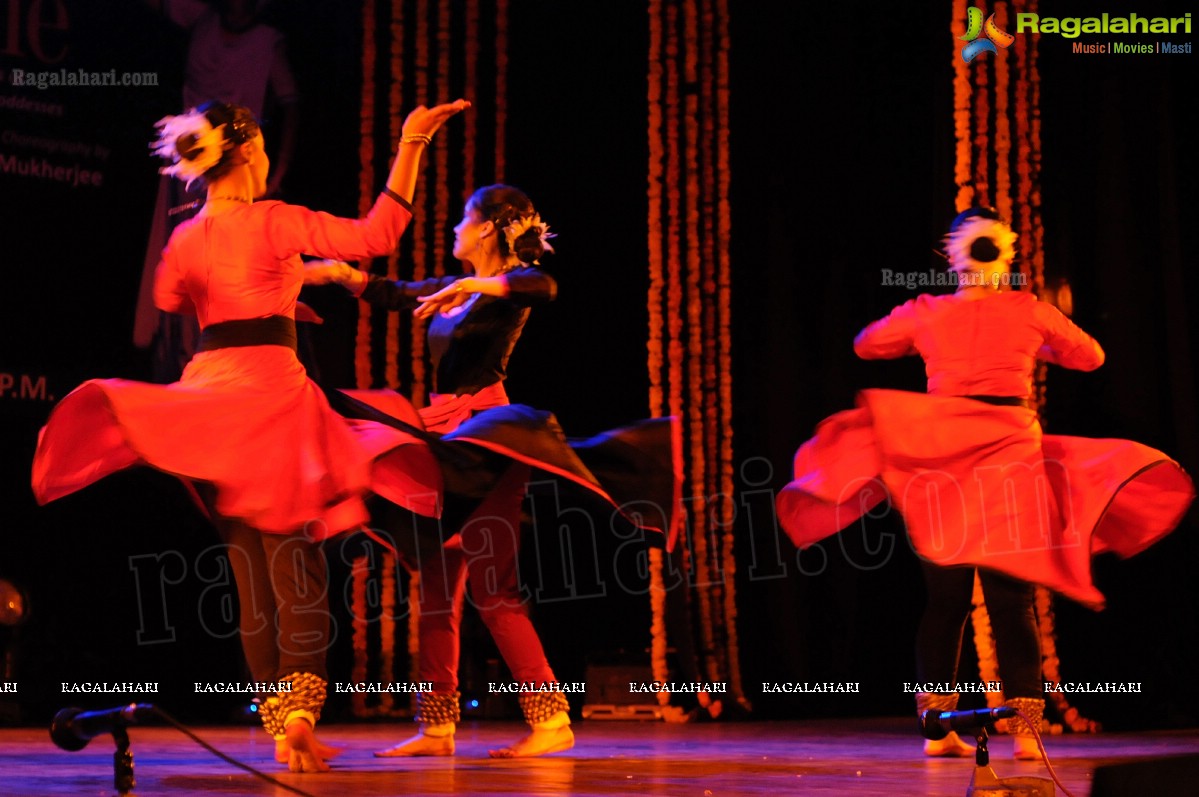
520	226
958	243
209	140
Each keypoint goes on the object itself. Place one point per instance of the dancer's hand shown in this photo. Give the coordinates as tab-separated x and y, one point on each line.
424	121
449	297
324	272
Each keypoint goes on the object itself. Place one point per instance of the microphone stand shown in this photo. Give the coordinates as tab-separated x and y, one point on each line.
984	777
122	764
985	783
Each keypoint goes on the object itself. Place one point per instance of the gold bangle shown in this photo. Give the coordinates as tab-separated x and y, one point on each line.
415	138
458	286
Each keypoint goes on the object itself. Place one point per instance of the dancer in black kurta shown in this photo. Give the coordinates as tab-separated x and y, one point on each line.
476	320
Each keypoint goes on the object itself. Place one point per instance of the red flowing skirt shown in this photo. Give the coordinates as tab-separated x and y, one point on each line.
979	485
248	421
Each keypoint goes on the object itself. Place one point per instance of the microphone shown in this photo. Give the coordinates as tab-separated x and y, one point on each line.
73	728
938	724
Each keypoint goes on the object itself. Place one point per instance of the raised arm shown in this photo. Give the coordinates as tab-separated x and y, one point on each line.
291	229
890	337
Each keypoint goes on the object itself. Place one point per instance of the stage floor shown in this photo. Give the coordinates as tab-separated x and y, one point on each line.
827	757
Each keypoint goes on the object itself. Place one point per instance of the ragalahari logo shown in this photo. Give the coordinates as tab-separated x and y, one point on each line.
975	28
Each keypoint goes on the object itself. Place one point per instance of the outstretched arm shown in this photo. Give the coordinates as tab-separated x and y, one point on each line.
526	286
380	291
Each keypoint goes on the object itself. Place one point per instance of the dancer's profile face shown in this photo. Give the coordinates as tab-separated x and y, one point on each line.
469	237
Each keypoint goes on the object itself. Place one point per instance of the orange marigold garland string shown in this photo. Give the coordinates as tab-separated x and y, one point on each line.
440	198
1051	668
366	180
391	363
961	111
982	146
420	245
359	575
1003	126
688	348
501	86
470	56
658	630
724	225
360	571
387	632
691	321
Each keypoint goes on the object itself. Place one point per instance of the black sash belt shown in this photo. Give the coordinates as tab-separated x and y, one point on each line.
275	330
1002	401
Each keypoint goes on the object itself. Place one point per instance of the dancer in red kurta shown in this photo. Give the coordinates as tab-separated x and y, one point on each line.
976	482
282	470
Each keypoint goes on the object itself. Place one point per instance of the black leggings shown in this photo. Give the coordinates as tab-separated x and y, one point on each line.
283	591
1013	622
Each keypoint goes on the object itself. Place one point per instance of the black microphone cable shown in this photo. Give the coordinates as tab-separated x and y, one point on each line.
186	731
169	720
1044	753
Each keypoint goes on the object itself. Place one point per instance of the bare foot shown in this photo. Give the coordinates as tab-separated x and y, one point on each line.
306	752
1024	748
539	742
421	745
951	746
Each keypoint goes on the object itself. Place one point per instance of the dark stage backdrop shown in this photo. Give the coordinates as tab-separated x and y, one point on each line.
842	165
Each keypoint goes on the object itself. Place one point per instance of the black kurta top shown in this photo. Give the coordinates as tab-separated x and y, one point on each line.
470	350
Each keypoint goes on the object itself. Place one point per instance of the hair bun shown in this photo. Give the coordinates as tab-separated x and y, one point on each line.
528	247
185	145
984	250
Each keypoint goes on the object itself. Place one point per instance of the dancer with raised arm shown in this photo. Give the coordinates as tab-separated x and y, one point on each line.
979	487
278	467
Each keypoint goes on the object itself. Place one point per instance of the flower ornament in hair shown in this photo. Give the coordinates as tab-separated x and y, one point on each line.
205	151
959	242
520	226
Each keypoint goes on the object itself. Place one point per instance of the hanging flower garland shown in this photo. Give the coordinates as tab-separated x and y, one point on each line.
441	198
366	180
420	244
1003	126
658	631
982	146
470	56
961	112
359	574
654	193
387	632
501	86
689	341
414	629
705	583
724	225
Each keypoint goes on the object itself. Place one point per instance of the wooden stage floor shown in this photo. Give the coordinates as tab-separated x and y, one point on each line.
826	757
